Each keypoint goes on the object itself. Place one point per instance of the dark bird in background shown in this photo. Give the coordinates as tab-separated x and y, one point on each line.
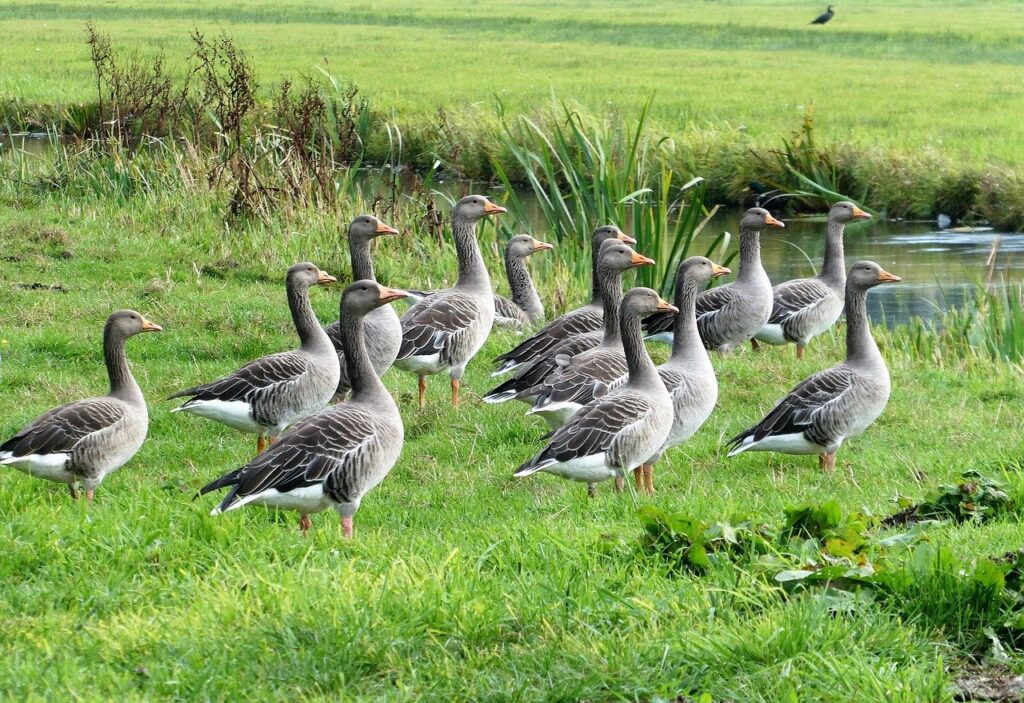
824	16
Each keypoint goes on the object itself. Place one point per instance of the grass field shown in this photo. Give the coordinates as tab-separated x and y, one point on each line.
903	75
462	583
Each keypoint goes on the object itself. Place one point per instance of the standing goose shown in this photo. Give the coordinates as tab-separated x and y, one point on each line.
525	307
444	331
337	456
688	374
614	259
617	432
267	395
88	439
729	315
805	307
837	403
383	329
579	321
825	16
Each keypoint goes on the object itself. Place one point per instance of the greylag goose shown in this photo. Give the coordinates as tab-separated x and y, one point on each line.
618	431
444	331
837	403
729	315
614	258
267	395
337	456
85	440
383	330
525	307
579	321
805	307
688	374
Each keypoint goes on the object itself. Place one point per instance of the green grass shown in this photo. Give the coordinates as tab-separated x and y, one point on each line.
912	74
462	583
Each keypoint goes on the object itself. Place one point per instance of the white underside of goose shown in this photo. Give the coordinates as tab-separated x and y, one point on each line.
424	364
661	337
586	469
556	414
771	334
236	414
52	467
793	443
306	500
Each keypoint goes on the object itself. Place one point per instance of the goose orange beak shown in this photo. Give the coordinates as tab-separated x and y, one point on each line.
717	271
492	209
639	259
666	306
541	246
388	295
623	237
324	277
859	214
148	326
886	277
772	222
384	229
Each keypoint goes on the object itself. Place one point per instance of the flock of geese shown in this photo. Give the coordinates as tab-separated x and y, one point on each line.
586	373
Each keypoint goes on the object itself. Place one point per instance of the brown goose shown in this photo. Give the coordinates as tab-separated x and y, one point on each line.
805	307
837	403
729	315
335	457
383	330
579	321
614	259
267	395
85	440
617	432
444	331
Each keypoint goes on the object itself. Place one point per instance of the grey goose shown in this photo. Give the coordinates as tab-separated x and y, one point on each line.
729	315
267	395
833	405
83	441
617	432
383	329
579	321
335	457
442	332
805	307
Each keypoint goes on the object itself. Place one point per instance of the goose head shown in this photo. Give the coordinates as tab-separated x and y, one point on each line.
523	245
306	275
126	323
618	256
641	302
868	274
844	211
475	207
363	297
757	218
698	270
606	232
367	227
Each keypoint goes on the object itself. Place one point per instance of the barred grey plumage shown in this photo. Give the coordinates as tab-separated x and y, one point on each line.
335	457
383	328
805	307
835	404
87	439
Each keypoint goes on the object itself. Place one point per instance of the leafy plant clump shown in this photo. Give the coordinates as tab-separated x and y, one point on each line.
974	497
690	545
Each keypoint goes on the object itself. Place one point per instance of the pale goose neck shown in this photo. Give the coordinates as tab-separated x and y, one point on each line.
638	361
362	262
472	272
362	378
311	334
750	256
686	343
122	383
524	294
833	268
611	300
860	345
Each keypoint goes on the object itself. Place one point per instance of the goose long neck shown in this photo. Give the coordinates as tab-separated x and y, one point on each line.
595	276
638	361
833	269
362	378
362	262
311	334
686	339
524	294
860	345
611	302
750	255
472	272
122	383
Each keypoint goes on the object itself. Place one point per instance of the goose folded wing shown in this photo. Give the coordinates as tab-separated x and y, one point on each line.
713	301
793	298
60	429
428	325
813	397
567	326
263	373
582	380
594	428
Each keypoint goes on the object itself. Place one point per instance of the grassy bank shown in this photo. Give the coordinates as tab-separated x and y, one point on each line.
916	105
462	584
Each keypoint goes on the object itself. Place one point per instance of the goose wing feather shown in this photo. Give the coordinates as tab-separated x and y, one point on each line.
262	374
429	326
794	298
576	322
60	429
